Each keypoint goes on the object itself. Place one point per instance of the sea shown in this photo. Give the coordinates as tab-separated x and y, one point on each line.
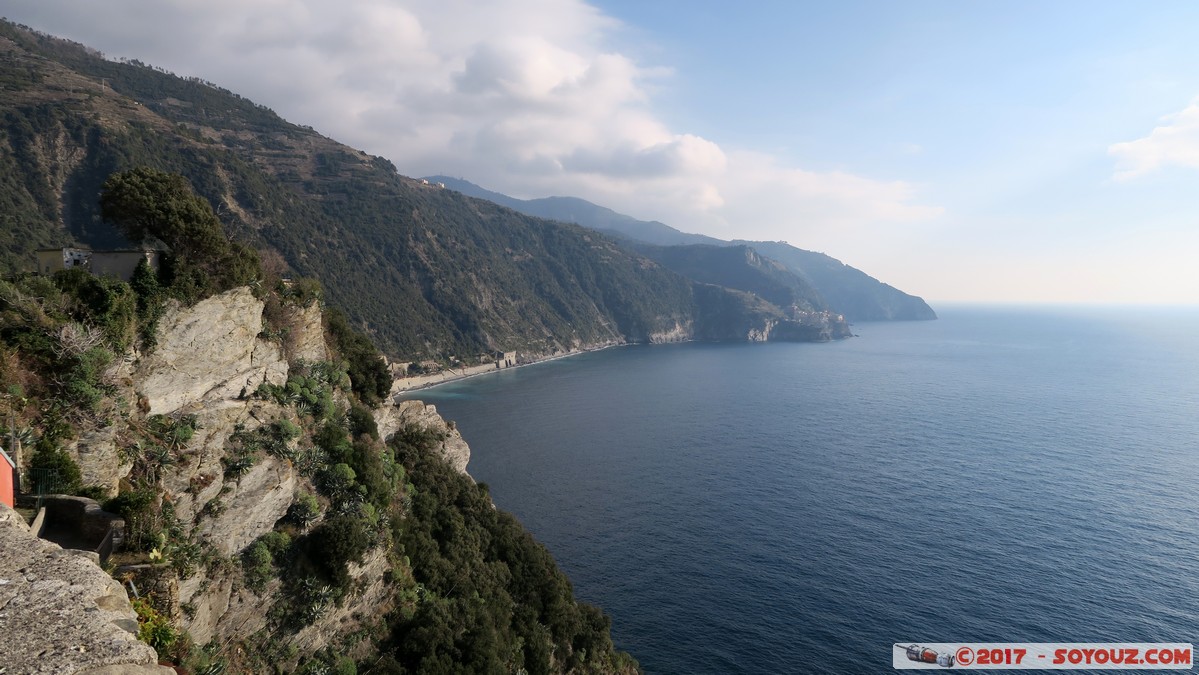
1002	474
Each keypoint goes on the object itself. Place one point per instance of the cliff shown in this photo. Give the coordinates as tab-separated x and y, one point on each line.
208	360
63	615
270	514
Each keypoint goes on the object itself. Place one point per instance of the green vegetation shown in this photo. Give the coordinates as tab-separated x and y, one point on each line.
425	272
489	598
202	261
153	628
59	464
369	377
310	388
738	267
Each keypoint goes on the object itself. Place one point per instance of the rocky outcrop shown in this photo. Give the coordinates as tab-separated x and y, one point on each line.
305	339
374	597
760	333
61	614
214	607
680	332
210	351
101	465
253	505
390	418
239	511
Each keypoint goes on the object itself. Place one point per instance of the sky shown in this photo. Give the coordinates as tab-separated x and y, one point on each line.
987	151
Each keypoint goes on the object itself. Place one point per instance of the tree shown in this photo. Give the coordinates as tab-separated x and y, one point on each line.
145	202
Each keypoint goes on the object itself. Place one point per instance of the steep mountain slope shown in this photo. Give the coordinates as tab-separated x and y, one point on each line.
851	291
426	272
739	267
847	290
582	212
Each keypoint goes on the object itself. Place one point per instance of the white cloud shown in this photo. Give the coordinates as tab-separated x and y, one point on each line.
1174	142
521	96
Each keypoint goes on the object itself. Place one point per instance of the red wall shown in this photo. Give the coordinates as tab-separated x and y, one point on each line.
6	470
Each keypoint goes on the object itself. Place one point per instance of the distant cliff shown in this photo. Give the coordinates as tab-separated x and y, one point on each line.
858	295
846	290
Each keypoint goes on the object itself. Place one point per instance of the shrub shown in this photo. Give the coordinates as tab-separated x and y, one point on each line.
150	296
369	377
153	628
142	524
304	510
334	544
278	543
63	472
362	421
108	304
257	565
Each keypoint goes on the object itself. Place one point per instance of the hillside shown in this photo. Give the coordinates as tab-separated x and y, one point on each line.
278	512
739	267
847	290
851	291
427	273
582	212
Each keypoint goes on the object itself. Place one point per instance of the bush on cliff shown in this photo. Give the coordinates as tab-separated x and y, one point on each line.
369	376
493	599
146	202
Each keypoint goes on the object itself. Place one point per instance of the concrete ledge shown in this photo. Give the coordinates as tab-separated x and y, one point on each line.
39	522
80	523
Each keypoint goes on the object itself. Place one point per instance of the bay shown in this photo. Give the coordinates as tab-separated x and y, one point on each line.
1001	474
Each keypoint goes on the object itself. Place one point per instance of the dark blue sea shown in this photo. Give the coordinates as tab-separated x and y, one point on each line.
998	475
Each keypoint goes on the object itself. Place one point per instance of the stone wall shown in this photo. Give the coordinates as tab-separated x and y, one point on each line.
61	614
80	523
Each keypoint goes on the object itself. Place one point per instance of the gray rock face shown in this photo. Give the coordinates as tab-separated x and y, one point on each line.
198	476
680	332
306	340
224	610
101	465
65	614
390	418
210	351
256	501
373	597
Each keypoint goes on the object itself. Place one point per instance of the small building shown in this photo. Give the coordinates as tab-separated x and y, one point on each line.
118	264
51	260
8	475
121	264
504	359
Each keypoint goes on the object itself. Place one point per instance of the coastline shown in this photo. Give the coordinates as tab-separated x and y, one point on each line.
404	385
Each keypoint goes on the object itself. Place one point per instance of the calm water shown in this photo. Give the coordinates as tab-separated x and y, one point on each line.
998	475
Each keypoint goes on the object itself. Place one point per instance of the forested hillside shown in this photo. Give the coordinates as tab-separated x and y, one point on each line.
739	267
427	272
845	289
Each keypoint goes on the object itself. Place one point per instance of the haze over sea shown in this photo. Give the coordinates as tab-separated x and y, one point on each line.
999	475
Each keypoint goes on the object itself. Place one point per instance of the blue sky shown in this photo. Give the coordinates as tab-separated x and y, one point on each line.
963	151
